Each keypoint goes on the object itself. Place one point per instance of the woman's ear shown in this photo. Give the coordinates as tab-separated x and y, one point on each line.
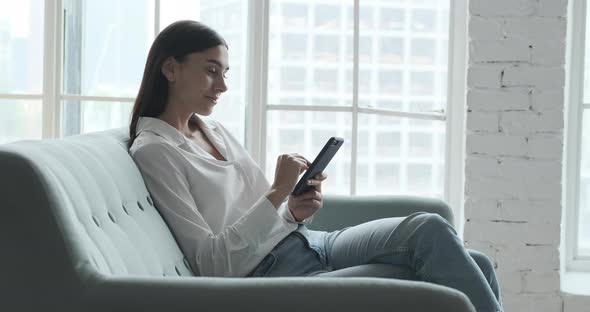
169	69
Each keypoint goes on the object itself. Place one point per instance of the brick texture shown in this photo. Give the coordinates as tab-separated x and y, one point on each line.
514	143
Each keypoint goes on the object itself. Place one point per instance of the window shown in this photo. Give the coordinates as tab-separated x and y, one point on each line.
21	65
392	120
105	50
372	72
577	185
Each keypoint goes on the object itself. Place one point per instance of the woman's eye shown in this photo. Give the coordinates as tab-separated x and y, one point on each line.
214	70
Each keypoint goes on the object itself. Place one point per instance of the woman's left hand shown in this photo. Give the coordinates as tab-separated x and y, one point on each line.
306	204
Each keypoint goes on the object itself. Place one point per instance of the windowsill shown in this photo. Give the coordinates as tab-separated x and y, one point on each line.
577	283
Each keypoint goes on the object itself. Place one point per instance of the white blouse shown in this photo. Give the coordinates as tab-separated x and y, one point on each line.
217	210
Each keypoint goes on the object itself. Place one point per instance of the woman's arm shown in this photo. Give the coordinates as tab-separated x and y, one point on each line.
210	254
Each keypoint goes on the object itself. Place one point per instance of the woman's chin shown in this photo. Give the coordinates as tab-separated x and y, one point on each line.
204	112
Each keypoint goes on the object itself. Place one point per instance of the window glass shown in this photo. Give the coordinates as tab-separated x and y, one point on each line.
402	67
21	68
106	50
21	46
100	115
110	44
586	96
409	53
584	204
310	48
401	157
583	246
20	120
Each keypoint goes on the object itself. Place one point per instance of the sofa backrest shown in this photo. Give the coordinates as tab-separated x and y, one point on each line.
83	198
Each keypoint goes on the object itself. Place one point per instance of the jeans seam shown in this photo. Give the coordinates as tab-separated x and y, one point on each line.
406	251
396	250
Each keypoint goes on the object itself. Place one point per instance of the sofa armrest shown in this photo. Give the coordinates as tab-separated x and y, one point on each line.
262	294
341	211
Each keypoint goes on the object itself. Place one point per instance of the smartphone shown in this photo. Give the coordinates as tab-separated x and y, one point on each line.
318	165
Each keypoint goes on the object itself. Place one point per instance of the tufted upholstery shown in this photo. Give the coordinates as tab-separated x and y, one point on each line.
79	232
105	204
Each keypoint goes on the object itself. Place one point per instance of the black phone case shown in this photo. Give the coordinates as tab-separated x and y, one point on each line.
319	164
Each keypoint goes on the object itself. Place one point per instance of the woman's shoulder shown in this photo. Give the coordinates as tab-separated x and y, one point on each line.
149	142
156	155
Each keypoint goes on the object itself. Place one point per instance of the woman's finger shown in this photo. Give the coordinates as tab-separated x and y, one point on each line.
311	203
302	163
314	182
302	158
313	194
321	176
317	184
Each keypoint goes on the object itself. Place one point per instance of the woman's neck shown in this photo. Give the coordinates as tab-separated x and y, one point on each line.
180	121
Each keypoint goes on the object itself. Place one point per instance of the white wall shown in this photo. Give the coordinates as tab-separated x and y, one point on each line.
515	134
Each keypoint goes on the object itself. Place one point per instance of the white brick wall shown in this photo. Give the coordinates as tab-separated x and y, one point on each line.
503	8
514	143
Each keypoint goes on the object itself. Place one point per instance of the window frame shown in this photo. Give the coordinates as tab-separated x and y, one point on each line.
574	109
256	95
61	96
454	116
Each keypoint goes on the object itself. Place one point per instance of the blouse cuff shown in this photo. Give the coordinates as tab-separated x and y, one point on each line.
286	214
260	222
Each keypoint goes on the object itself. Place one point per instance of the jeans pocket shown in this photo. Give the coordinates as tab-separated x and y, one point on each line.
264	266
312	246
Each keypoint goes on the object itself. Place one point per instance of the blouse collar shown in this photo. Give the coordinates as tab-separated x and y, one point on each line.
165	130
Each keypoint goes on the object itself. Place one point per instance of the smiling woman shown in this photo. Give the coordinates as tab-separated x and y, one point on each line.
203	180
184	73
196	83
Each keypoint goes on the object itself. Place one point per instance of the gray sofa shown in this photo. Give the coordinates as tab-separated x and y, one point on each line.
80	233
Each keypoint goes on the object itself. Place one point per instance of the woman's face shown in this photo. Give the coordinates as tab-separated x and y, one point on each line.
198	82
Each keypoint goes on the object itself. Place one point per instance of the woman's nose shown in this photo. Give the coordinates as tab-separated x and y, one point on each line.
221	85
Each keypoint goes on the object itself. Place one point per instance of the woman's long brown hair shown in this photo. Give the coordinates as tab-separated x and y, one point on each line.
177	40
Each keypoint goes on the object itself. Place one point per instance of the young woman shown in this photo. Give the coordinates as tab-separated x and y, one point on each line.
230	221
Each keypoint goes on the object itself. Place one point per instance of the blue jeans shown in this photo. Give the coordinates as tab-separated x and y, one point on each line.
425	242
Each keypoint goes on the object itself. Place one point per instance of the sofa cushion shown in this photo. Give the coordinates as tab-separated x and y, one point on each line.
101	204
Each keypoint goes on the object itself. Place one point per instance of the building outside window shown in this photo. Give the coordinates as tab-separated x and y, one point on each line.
402	68
75	67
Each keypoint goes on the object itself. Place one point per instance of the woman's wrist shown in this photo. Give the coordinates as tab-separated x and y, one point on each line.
276	197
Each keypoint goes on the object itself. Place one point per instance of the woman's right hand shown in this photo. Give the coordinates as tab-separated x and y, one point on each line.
289	167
